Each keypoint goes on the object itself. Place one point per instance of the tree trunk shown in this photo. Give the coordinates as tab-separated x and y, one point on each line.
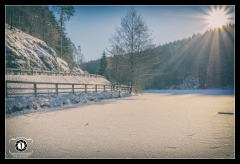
131	81
19	15
43	35
61	22
11	18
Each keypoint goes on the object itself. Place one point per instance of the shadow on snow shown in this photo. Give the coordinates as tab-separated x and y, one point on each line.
214	92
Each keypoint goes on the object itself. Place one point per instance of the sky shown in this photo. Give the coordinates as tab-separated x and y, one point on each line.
91	27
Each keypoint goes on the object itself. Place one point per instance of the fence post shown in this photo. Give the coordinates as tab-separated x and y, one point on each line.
57	88
85	88
35	89
104	88
6	95
96	88
73	88
119	92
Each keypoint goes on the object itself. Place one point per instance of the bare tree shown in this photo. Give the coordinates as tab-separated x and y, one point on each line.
80	57
134	39
115	63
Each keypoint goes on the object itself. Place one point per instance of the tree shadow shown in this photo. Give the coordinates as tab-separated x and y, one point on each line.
211	92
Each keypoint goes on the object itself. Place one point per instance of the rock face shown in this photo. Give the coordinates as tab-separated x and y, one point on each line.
25	51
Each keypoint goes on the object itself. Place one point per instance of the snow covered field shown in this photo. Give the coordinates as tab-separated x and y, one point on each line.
56	79
156	124
194	91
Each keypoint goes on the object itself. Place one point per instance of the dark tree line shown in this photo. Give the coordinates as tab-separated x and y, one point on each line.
209	57
40	22
92	66
103	65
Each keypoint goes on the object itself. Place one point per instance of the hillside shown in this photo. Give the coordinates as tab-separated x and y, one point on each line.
202	61
24	51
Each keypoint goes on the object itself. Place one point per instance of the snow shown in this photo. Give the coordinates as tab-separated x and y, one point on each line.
62	64
39	53
79	70
153	125
24	51
194	91
53	79
50	100
21	104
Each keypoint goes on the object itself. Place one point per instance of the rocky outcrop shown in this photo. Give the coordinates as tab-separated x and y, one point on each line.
25	51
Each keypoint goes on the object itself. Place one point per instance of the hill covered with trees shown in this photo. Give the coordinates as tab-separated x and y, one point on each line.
200	61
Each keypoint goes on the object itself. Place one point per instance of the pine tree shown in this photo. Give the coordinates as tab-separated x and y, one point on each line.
103	64
65	12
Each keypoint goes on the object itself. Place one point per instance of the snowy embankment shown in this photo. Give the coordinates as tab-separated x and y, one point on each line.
50	101
51	79
25	51
58	79
29	103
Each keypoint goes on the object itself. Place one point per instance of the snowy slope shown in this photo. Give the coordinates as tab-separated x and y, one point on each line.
25	51
52	79
58	79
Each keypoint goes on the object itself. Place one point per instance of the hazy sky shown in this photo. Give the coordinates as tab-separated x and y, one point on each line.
92	26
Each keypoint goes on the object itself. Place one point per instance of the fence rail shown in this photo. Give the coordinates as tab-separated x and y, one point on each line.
16	71
39	88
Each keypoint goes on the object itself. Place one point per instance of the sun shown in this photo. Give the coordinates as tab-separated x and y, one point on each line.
217	18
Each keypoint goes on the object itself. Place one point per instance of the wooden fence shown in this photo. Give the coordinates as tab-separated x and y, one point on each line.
16	71
39	88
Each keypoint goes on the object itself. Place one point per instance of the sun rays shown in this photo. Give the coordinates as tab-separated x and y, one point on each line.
217	16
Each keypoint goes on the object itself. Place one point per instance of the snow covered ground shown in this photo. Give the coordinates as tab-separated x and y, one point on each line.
194	91
26	104
152	125
58	79
49	101
52	79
